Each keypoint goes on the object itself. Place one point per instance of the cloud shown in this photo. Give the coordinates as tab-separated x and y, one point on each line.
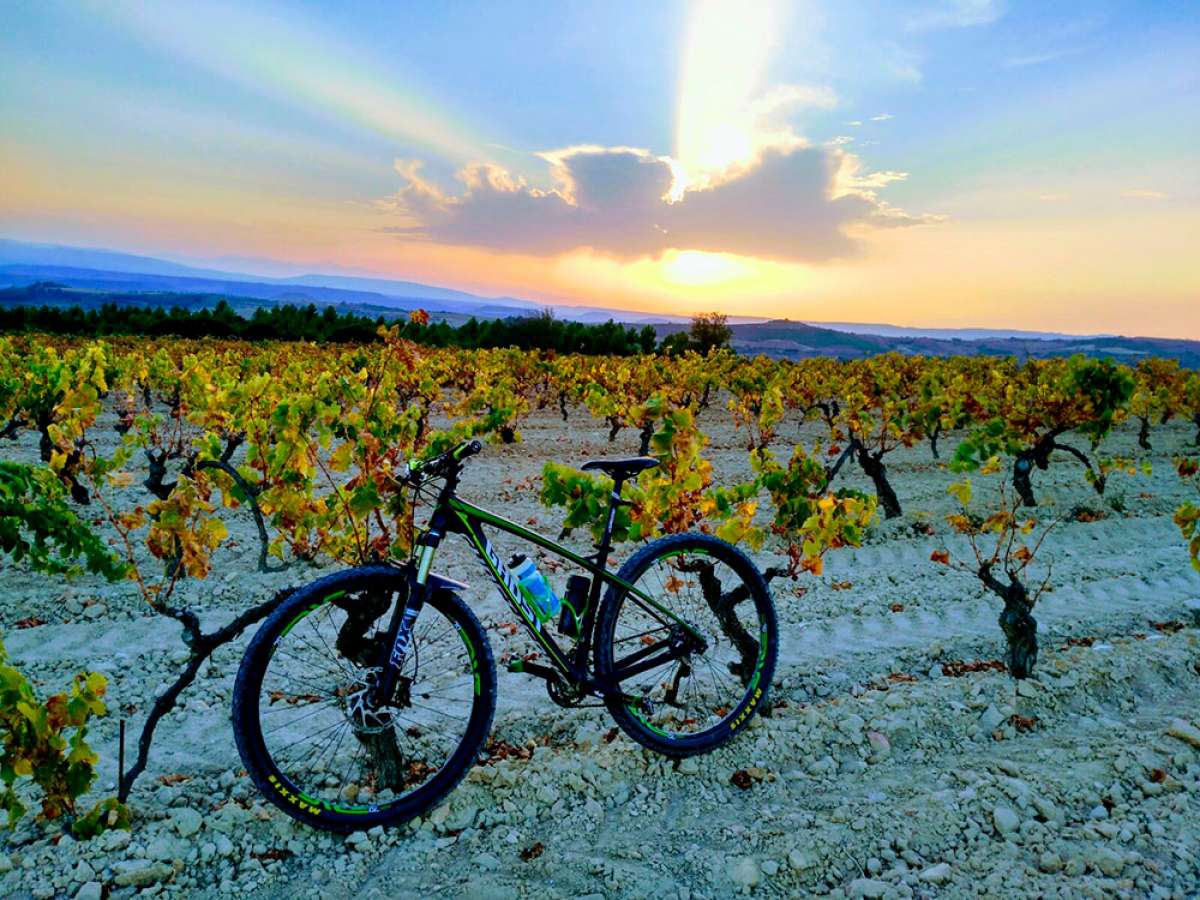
954	14
899	63
790	97
1037	59
882	117
1143	194
791	201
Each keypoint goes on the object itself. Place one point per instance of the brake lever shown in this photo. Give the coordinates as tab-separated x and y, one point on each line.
411	476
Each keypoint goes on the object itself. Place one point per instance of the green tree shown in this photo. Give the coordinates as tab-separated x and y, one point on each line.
709	331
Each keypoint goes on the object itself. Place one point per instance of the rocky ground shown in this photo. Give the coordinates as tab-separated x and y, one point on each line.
885	769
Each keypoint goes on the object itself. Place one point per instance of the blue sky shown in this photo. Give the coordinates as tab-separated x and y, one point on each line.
817	160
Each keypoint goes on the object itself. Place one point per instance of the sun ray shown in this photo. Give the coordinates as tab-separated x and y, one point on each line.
301	66
728	45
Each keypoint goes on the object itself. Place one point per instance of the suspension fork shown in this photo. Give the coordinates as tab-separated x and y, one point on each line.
404	617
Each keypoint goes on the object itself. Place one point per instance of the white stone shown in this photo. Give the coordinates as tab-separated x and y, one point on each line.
1047	809
117	839
143	873
867	887
165	848
799	860
461	817
1050	862
938	874
1107	861
744	872
991	718
225	846
187	821
852	724
826	765
1005	819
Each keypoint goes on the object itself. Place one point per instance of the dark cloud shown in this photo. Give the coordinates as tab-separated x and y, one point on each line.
793	202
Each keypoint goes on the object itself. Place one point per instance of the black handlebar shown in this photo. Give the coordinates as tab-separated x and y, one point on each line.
444	463
467	448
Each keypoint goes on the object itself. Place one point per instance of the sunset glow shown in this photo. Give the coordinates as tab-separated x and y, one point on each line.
692	267
941	164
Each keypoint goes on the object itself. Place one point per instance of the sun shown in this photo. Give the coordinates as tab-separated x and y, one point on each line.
695	267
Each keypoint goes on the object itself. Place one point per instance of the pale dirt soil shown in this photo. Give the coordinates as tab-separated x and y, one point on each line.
865	786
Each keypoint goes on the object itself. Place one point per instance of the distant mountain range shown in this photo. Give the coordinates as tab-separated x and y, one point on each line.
96	276
797	340
107	270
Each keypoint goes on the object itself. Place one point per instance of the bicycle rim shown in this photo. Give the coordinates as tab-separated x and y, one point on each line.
705	693
327	746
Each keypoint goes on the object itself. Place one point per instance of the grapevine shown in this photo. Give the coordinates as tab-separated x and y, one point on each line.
309	439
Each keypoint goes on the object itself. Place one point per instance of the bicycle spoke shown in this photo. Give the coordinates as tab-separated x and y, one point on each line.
312	698
687	694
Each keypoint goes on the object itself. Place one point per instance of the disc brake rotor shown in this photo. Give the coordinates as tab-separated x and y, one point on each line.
358	704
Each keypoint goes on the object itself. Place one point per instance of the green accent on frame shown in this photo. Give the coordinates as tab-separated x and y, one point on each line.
462	633
467	511
532	624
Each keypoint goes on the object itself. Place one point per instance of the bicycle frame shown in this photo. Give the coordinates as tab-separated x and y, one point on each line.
453	515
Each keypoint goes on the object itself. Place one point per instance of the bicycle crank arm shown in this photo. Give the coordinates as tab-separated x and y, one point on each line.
588	684
546	673
529	668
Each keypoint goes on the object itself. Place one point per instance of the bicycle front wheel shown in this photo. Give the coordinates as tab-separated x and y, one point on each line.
692	704
307	732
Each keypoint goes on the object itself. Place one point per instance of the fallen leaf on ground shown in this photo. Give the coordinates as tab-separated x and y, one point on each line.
533	852
958	668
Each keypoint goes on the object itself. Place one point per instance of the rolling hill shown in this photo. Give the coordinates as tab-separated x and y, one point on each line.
92	277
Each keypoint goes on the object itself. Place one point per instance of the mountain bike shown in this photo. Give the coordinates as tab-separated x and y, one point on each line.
365	697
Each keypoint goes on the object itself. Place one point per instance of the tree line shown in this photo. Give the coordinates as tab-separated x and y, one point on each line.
326	325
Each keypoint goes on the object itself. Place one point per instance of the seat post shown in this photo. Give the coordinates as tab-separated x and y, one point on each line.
614	500
620	471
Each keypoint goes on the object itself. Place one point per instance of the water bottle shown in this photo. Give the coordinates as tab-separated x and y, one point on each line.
545	602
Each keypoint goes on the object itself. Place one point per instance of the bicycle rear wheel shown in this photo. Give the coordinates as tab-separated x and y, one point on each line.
692	704
307	735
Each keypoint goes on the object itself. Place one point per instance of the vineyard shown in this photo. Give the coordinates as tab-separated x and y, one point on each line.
985	572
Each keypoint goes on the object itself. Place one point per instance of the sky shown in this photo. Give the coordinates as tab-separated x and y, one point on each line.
936	163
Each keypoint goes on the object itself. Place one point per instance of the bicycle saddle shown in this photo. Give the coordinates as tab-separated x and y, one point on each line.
630	465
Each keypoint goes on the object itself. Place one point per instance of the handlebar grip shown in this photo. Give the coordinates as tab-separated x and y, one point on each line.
468	448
